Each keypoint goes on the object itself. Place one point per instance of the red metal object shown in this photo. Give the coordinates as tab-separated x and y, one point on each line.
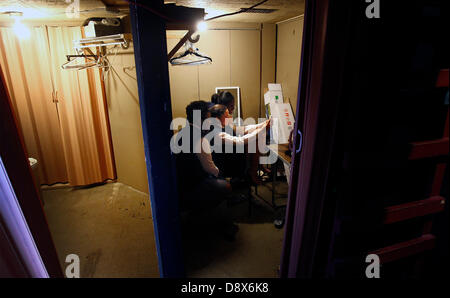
440	169
442	79
405	249
414	209
438	179
427	149
434	204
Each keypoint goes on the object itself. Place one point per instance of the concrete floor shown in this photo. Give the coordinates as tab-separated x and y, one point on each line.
256	251
110	228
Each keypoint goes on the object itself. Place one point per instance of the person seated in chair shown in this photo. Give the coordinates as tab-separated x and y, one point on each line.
200	187
233	163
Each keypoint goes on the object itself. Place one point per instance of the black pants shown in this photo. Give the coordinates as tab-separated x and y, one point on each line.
232	165
206	194
206	204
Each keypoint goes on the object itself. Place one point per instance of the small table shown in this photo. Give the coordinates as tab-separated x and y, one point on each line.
280	151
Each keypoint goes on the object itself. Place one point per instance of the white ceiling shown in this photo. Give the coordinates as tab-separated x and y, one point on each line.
285	9
55	11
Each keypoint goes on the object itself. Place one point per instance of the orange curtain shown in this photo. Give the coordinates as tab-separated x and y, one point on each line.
61	112
25	64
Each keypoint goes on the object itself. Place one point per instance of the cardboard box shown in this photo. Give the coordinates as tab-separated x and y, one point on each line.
283	122
274	87
274	94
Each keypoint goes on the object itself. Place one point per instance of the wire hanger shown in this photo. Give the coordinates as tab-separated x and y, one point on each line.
81	61
191	56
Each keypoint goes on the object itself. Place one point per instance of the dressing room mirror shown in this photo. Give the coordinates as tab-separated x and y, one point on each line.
237	113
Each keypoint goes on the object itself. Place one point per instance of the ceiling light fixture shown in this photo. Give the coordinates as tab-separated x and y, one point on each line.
22	31
202	26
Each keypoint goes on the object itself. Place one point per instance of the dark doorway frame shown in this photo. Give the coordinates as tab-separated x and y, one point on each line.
14	157
303	213
321	70
150	50
149	34
316	116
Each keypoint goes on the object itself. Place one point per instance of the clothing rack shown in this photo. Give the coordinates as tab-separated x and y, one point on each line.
69	57
102	41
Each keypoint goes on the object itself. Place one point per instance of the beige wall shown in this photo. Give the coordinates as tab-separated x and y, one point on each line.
124	115
268	47
243	55
245	69
186	80
289	39
235	49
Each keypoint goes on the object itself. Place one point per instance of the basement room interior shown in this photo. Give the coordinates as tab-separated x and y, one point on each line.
72	80
178	139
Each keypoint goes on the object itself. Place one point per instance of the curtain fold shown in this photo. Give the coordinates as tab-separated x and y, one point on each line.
75	126
26	67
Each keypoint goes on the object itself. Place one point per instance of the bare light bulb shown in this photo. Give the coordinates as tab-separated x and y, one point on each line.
22	31
201	26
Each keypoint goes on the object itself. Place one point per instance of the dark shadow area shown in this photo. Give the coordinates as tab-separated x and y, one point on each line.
208	250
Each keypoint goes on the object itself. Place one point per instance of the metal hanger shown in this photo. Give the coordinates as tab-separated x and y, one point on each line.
191	56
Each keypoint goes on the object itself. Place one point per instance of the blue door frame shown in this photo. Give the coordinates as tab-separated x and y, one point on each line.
150	50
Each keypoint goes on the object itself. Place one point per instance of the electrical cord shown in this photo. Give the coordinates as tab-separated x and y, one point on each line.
236	12
213	18
163	16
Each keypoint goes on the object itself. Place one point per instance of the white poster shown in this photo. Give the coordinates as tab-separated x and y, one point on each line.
283	121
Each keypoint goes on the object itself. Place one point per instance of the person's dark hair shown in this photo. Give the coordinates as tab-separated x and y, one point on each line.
197	105
215	98
223	97
217	110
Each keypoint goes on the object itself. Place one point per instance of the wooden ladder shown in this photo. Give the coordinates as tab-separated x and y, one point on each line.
433	204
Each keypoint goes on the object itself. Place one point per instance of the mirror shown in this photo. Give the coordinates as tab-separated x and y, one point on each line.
237	114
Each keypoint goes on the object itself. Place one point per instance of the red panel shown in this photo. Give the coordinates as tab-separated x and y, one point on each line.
446	127
427	149
438	179
405	249
442	79
414	209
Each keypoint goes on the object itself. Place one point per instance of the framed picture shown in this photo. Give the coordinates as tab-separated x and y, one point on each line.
237	114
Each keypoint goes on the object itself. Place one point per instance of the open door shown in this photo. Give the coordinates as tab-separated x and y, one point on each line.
312	154
15	162
366	94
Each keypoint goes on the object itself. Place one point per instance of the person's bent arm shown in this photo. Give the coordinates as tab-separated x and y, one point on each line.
242	140
252	127
205	158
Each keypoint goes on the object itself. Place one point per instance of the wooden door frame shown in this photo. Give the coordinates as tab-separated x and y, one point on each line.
149	34
321	70
303	213
14	157
150	51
